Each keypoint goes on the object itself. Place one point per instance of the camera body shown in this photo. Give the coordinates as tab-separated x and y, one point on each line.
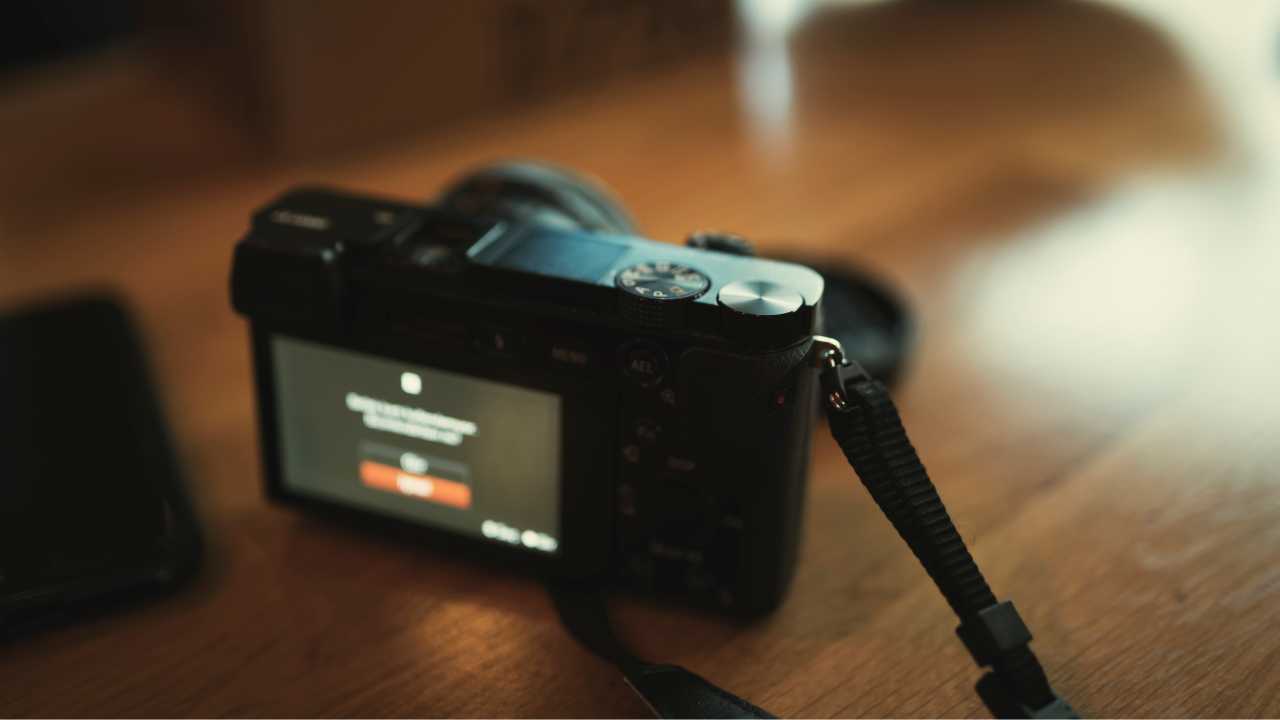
582	403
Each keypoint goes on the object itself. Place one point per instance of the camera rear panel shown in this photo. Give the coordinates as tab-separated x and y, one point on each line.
711	472
707	450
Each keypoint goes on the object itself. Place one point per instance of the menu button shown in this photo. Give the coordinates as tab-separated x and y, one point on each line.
571	355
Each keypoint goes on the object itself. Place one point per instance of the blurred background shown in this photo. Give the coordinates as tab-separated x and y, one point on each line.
1081	201
1077	189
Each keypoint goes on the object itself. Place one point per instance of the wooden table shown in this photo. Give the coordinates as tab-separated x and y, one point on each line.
1093	388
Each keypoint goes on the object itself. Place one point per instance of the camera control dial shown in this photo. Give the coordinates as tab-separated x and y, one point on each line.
761	310
760	298
653	292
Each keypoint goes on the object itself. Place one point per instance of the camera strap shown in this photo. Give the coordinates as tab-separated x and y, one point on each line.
669	691
865	423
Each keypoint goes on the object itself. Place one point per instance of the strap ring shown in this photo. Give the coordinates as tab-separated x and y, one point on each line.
827	354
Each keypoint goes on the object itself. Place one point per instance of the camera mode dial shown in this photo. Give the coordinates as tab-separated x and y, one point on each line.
653	293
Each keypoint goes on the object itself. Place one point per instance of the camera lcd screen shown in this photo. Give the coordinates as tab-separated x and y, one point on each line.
450	451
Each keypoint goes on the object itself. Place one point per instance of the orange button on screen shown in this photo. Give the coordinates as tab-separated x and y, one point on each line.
421	487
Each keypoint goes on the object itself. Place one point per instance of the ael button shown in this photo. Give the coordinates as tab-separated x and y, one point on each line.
644	362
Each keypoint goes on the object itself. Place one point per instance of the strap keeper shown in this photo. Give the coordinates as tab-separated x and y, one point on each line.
1003	705
994	631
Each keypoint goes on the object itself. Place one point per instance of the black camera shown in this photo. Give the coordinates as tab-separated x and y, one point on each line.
510	369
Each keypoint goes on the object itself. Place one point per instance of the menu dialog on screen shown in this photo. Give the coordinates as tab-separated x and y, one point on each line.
437	448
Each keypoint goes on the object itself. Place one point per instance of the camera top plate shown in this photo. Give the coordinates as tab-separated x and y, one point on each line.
313	251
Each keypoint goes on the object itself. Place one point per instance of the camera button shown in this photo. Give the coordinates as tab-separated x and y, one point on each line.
647	430
681	464
644	362
668	397
571	354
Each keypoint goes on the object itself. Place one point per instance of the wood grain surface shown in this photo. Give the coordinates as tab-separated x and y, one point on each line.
1088	245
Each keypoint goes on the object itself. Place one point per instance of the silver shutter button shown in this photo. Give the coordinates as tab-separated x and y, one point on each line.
760	298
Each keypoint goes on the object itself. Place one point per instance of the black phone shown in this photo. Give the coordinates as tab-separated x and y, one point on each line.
93	513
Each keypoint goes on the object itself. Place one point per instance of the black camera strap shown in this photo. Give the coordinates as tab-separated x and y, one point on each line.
669	691
865	423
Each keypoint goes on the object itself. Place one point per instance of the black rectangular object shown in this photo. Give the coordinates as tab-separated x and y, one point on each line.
91	507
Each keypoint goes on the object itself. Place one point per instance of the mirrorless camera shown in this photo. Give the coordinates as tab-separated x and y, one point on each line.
510	369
